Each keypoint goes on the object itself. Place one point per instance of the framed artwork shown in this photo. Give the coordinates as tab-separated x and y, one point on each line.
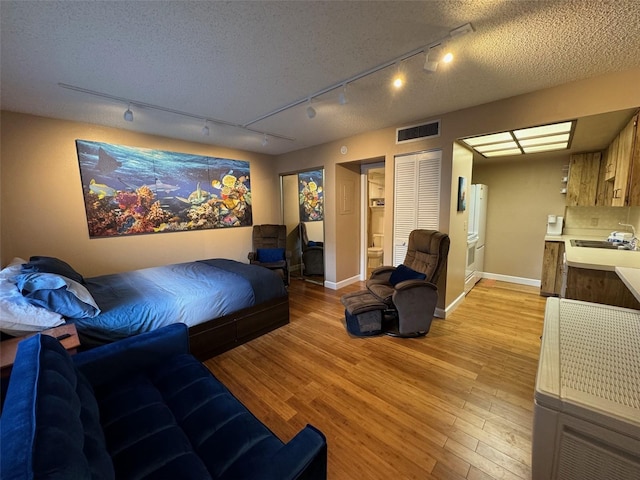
462	194
132	191
311	195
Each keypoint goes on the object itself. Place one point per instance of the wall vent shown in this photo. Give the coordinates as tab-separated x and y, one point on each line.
418	132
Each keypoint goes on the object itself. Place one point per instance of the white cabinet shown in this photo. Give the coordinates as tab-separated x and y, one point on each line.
416	197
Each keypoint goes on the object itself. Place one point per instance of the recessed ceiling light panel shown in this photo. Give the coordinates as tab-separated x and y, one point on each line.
544	138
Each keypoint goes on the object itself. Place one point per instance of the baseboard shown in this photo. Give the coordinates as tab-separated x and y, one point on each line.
450	308
341	283
532	282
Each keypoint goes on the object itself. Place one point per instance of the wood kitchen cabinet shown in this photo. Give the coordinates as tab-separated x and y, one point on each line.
582	185
599	286
604	196
619	178
551	283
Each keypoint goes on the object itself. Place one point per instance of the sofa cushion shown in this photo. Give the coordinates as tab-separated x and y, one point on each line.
50	401
184	423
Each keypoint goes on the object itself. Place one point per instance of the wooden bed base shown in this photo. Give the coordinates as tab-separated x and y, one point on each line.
211	338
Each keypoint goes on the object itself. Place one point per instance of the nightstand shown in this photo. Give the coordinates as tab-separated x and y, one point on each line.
67	335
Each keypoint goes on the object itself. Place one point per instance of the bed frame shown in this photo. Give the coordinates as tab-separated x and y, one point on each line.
211	338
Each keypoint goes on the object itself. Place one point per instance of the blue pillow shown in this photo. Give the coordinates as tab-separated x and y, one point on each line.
51	265
270	255
402	273
58	294
312	244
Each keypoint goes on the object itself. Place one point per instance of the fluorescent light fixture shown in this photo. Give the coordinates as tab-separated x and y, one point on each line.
544	130
502	153
545	148
530	142
544	138
497	146
488	139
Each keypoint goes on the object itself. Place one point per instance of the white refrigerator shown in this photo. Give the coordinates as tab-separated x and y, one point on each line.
478	225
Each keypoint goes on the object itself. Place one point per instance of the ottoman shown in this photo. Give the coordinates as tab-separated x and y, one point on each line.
363	313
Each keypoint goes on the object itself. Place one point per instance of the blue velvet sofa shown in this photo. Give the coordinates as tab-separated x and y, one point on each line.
139	408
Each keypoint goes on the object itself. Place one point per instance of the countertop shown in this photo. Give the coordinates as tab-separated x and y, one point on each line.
631	278
595	258
625	263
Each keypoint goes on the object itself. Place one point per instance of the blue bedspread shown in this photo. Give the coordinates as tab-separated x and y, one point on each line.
191	293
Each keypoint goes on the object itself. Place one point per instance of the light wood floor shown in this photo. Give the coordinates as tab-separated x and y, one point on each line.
454	404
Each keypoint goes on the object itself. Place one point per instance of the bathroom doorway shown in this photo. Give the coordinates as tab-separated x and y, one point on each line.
373	218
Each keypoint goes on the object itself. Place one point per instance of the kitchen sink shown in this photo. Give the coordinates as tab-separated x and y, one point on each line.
597	244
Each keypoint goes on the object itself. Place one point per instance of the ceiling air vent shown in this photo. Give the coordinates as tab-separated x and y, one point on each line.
418	132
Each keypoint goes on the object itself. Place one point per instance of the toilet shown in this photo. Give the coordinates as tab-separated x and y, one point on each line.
374	254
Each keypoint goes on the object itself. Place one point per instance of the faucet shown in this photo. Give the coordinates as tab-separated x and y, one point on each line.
634	243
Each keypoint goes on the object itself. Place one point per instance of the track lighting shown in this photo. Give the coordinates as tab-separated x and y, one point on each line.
311	112
398	78
430	65
265	140
431	59
342	98
128	114
205	129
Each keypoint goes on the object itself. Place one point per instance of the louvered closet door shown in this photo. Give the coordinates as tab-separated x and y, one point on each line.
416	198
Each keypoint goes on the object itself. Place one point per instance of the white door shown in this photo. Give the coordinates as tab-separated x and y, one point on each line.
416	197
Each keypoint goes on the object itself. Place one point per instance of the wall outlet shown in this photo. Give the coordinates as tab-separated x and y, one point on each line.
594	222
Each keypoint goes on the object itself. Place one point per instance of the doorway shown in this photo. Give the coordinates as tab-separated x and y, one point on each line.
373	203
302	196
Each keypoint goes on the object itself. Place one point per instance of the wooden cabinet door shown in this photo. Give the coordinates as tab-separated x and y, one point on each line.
634	177
584	171
605	179
623	164
551	282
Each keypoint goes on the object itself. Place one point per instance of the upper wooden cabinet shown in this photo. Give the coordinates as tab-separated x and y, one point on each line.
584	173
618	179
619	183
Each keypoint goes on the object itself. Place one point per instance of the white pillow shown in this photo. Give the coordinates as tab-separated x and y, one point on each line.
17	316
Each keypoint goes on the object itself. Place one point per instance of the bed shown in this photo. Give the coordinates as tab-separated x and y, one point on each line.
223	302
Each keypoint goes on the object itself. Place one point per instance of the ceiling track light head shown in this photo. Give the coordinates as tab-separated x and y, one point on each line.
311	112
342	98
128	114
205	129
265	140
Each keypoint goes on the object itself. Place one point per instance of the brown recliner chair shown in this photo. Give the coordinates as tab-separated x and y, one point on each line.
270	249
410	289
312	253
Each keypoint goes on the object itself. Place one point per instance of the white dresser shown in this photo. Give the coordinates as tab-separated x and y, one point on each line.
587	398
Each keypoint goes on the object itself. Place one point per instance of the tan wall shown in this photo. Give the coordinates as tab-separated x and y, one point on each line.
458	228
43	210
521	195
615	91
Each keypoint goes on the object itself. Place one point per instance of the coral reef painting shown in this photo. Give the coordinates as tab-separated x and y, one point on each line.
311	196
129	190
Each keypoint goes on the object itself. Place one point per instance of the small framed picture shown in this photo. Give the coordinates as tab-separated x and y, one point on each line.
462	194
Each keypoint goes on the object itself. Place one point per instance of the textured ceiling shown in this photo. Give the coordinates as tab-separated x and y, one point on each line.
237	61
